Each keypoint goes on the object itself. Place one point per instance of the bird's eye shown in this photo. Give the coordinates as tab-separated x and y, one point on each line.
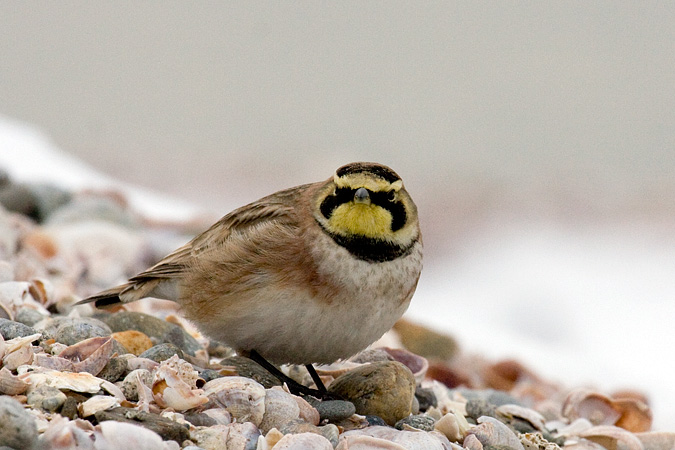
391	196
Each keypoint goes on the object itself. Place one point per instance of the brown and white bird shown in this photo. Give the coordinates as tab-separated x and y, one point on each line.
310	274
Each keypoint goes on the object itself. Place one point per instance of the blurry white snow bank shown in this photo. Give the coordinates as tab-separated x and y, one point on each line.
29	156
584	305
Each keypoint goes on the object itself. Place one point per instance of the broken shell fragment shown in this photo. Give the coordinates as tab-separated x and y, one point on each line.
242	397
11	384
97	403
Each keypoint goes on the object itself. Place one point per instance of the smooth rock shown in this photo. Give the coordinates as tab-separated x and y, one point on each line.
69	330
18	428
335	410
248	368
46	397
162	352
69	409
166	428
425	398
418	421
425	341
113	370
28	316
159	330
385	389
134	341
10	329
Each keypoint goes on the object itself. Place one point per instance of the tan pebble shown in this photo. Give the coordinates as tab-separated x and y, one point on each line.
134	341
471	442
385	389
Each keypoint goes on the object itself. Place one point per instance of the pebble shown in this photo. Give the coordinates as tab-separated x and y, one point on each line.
426	342
46	397
134	341
166	428
18	428
158	329
36	201
70	331
28	316
385	389
113	370
248	368
129	387
335	410
419	422
69	408
425	398
162	352
10	329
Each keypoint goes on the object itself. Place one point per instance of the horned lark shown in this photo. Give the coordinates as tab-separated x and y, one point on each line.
310	274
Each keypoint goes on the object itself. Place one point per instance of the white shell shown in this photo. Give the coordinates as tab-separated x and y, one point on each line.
242	397
175	386
613	437
280	408
410	440
303	441
11	384
491	431
453	426
97	403
119	435
533	417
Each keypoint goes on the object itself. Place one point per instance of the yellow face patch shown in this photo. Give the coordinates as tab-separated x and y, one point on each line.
368	220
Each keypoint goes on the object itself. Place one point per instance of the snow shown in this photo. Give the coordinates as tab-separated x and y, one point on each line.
579	303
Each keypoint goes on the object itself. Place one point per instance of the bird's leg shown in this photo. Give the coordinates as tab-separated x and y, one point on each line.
316	379
293	386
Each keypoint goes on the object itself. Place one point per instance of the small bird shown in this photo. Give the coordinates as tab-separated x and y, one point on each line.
310	274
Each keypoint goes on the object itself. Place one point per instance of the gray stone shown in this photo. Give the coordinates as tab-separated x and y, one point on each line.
335	410
162	352
159	330
81	329
18	428
10	329
46	397
248	368
419	422
28	316
114	370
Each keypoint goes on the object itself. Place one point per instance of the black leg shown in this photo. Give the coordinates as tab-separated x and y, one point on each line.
316	378
293	386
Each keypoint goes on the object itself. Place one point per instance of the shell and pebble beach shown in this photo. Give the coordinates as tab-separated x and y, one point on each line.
142	377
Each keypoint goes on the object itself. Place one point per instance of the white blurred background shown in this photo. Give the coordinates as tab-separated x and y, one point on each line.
537	138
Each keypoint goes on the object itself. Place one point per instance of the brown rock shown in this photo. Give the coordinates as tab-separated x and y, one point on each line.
385	389
134	341
425	341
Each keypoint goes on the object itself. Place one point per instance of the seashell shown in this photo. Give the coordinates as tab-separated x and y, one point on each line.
636	416
363	442
142	363
573	429
491	431
52	362
90	355
131	382
174	385
270	439
510	411
19	357
117	435
6	312
444	403
307	412
280	408
657	440
221	416
453	425
582	444
242	436
417	364
242	397
42	290
11	384
595	407
410	440
62	434
97	403
78	382
303	441
612	437
536	441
